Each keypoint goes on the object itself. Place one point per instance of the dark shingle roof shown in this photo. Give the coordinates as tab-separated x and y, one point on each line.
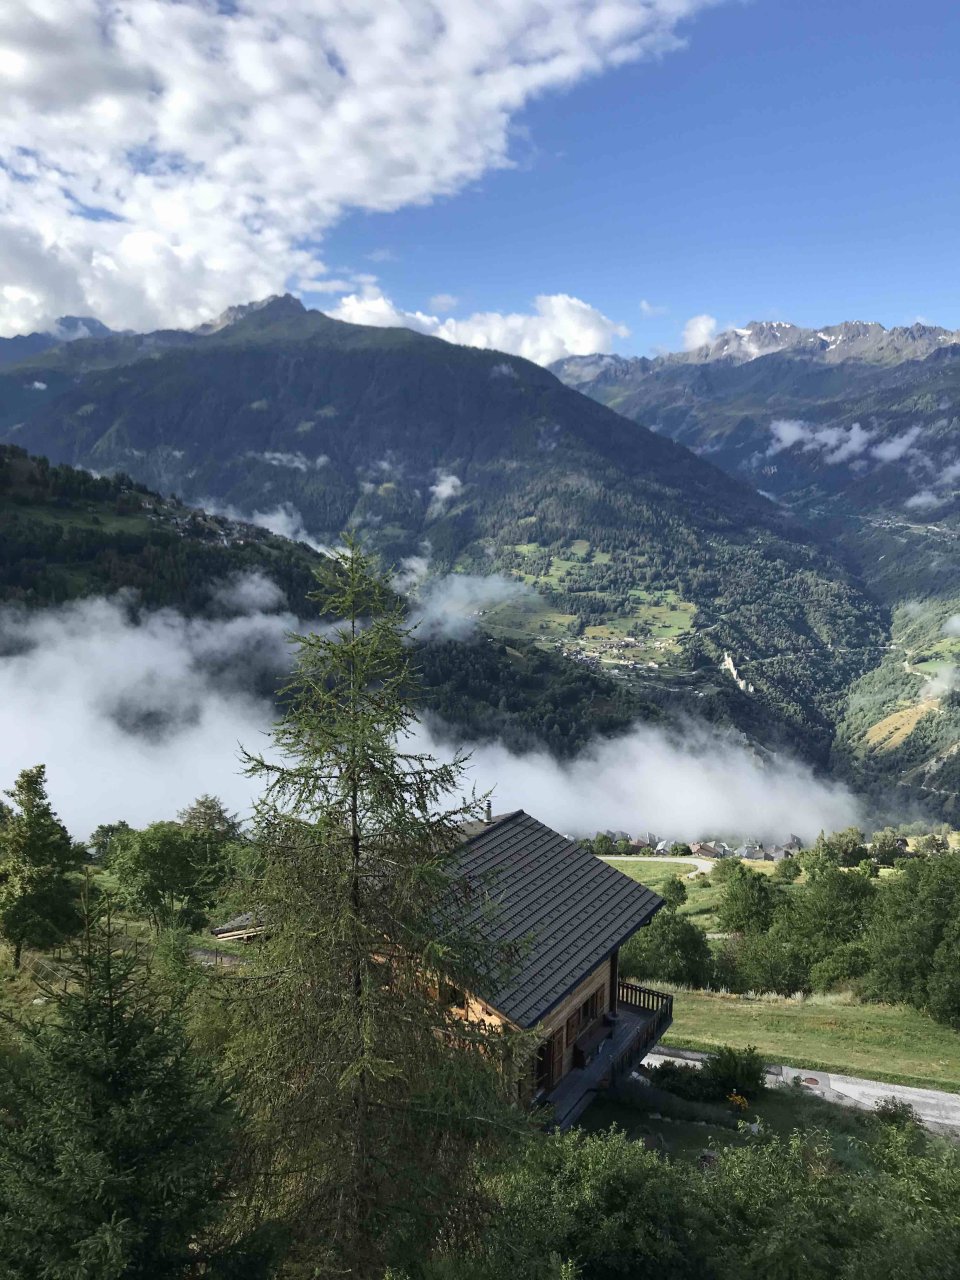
573	909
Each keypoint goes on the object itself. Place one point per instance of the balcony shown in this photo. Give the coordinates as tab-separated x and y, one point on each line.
642	1017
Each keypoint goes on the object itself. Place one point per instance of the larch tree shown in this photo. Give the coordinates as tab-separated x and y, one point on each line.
374	1100
37	894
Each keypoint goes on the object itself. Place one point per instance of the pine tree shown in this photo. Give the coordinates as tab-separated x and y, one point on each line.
37	896
115	1142
373	1096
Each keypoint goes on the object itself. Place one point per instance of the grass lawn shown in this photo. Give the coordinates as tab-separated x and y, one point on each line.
703	892
832	1033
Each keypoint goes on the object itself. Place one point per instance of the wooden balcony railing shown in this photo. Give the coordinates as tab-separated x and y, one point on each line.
659	1005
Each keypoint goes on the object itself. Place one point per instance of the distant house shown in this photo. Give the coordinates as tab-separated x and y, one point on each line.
777	853
707	849
662	846
750	850
646	839
793	845
573	912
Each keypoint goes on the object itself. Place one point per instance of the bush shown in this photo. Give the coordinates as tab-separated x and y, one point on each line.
726	868
896	1112
787	871
725	1072
661	1097
734	1071
671	948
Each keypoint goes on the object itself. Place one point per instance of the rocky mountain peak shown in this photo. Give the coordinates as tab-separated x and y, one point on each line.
276	307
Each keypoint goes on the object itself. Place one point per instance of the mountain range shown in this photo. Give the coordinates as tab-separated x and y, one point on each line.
652	561
853	428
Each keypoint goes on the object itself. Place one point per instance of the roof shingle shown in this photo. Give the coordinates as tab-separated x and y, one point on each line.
571	908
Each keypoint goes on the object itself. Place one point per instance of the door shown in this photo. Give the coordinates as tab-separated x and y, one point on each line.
550	1061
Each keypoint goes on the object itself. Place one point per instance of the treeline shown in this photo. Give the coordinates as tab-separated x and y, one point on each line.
895	938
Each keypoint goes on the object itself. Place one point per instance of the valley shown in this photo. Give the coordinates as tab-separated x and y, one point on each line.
443	458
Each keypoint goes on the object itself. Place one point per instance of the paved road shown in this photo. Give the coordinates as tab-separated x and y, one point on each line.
939	1111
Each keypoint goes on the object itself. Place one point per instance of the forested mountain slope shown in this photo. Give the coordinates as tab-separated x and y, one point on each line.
856	430
640	552
66	534
855	427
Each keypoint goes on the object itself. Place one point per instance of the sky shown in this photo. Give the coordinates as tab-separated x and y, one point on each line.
548	177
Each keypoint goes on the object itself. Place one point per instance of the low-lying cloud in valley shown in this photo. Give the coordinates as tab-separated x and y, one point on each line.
833	444
135	718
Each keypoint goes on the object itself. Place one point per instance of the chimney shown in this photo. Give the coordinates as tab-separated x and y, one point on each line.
488	815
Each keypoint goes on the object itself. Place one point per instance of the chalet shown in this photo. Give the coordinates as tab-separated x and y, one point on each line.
571	912
566	913
777	853
750	850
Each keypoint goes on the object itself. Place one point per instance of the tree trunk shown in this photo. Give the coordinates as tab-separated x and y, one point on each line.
17	948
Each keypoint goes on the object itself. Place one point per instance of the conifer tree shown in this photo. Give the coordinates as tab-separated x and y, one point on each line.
373	1097
115	1143
37	896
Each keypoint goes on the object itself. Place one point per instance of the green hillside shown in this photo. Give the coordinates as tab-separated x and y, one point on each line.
646	561
66	534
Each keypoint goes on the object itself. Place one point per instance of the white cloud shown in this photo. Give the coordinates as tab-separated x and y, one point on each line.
446	487
293	461
559	325
923	501
651	309
411	573
450	607
160	159
441	302
896	447
699	331
249	593
834	444
646	779
952	625
133	721
786	433
285	520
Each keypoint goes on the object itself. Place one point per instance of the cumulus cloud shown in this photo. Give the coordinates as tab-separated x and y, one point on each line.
446	487
896	447
699	331
834	444
293	461
443	302
558	326
923	501
135	717
161	158
450	607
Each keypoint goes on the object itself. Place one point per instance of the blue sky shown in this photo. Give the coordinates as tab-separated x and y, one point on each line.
512	173
798	160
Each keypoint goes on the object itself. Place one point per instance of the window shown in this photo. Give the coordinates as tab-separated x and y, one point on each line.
588	1012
